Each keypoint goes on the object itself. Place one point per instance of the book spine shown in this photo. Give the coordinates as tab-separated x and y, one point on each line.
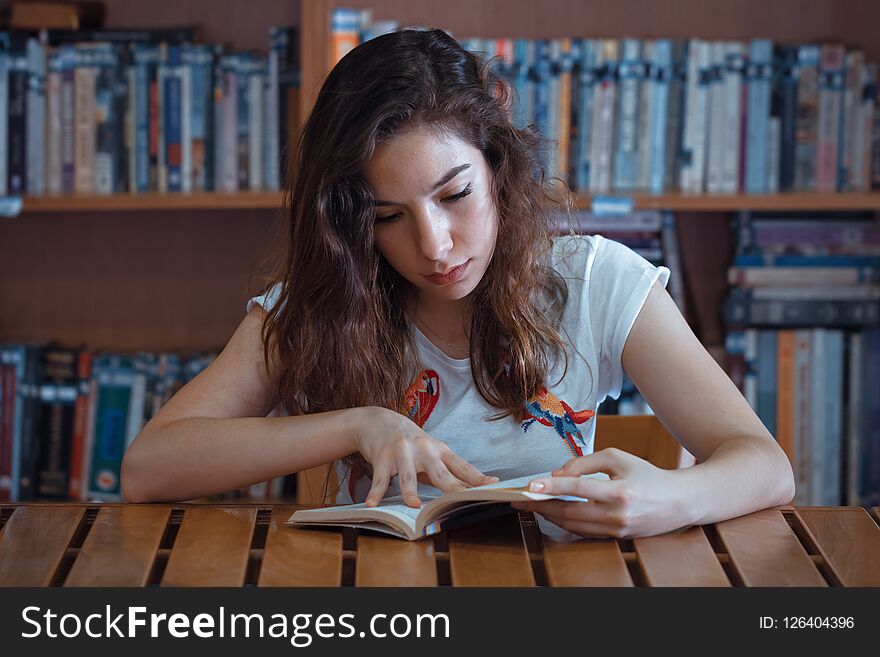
85	137
801	276
627	143
242	129
693	161
7	423
759	75
766	379
854	428
833	439
849	121
864	119
742	311
57	398
106	145
183	74
80	421
646	116
785	347
54	184
201	91
4	122
344	33
673	261
29	436
802	415
230	123
582	100
734	345
818	424
774	143
750	376
272	109
17	125
831	81
255	81
563	121
786	89
130	127
806	119
661	81
786	260
551	131
36	123
870	459
114	376
602	132
68	56
171	119
675	117
716	142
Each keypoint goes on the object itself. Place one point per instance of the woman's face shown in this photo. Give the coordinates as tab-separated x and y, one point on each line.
436	222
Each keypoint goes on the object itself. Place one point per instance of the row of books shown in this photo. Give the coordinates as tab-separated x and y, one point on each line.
818	392
68	415
804	347
698	116
109	112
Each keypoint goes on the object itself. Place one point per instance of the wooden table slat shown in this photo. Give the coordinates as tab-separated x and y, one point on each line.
300	557
120	547
387	561
212	547
33	543
490	554
587	562
764	551
848	540
683	558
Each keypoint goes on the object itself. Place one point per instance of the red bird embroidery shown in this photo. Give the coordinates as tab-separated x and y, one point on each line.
422	396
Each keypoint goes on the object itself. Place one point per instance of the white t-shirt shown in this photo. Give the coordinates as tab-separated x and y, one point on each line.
607	286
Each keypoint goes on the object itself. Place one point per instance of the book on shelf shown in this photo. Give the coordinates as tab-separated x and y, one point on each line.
67	417
467	506
803	314
135	111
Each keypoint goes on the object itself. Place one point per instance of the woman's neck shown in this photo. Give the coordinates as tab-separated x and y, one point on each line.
445	323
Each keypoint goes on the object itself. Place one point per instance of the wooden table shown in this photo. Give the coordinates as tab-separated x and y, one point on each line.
236	545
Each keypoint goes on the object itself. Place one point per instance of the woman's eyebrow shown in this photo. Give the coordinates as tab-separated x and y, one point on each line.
449	175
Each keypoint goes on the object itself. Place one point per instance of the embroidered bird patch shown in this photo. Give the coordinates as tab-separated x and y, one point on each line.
422	396
546	409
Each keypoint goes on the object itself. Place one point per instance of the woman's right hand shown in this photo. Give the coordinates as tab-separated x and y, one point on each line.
395	445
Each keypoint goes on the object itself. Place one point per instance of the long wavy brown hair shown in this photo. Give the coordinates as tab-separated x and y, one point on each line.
340	328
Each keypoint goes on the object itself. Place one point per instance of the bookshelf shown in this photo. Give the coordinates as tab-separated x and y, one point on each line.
173	271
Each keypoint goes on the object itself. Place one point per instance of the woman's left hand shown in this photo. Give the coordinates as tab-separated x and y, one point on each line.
640	499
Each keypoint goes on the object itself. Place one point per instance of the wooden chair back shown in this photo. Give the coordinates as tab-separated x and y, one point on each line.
642	435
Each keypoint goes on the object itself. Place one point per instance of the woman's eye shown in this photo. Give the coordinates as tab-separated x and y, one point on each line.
389	218
460	195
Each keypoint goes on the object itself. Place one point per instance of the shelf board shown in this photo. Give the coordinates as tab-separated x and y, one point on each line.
152	202
736	202
273	201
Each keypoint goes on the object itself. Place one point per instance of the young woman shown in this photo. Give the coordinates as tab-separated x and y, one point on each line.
427	329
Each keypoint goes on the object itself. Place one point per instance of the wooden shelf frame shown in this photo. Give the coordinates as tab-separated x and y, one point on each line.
848	201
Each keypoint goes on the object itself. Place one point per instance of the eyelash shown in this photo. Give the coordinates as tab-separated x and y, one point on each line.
456	197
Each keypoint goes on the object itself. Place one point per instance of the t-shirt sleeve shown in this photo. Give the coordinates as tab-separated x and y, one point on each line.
620	280
266	300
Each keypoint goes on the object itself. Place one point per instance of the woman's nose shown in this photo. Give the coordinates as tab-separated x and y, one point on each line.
433	234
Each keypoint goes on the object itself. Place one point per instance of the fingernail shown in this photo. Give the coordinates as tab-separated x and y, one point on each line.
536	486
493	478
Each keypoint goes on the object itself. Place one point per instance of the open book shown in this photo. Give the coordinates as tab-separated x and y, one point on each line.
393	517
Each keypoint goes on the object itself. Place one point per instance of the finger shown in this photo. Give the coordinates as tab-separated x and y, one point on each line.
609	461
406	475
381	477
466	471
440	476
599	490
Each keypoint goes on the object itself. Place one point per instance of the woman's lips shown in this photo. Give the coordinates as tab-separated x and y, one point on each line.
454	274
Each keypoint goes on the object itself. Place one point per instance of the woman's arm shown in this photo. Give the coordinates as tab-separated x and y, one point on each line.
741	467
214	436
